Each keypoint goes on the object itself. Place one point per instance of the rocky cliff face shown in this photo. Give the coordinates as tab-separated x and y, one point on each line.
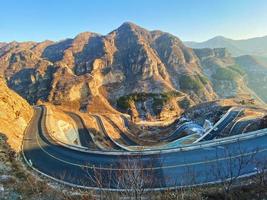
15	114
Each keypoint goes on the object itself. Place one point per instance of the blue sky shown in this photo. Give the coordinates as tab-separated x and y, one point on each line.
197	20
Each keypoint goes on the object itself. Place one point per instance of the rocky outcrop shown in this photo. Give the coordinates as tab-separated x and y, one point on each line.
15	114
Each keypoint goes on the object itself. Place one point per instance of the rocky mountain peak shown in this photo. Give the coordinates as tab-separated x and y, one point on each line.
128	26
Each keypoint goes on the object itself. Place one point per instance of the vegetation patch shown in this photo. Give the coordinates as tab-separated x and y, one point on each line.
195	82
237	69
159	99
185	103
229	73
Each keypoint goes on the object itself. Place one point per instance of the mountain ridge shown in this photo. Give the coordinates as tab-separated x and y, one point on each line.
251	46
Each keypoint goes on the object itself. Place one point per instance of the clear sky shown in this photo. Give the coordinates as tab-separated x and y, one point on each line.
197	20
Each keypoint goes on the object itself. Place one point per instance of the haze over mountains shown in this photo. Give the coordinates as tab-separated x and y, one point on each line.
253	46
131	68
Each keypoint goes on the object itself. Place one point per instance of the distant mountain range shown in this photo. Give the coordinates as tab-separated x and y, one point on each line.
254	46
250	55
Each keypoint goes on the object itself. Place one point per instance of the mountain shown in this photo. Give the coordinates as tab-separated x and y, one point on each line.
151	73
254	46
92	70
251	61
15	115
223	71
255	69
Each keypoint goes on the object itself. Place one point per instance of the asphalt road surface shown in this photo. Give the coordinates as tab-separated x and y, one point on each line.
158	170
104	132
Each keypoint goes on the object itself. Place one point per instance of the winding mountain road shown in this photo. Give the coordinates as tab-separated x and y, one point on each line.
165	169
177	133
240	126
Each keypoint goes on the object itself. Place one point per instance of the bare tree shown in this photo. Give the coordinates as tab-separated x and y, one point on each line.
130	175
136	176
229	165
102	178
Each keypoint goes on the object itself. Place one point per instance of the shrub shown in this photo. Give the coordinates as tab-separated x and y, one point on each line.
237	69
184	104
158	99
230	73
195	82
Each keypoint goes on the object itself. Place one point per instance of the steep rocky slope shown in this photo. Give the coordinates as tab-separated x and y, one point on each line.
15	115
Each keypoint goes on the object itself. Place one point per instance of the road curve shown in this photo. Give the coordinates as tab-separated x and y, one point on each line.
168	169
177	133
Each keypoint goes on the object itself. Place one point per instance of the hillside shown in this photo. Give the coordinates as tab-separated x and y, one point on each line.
15	115
254	46
221	69
256	74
